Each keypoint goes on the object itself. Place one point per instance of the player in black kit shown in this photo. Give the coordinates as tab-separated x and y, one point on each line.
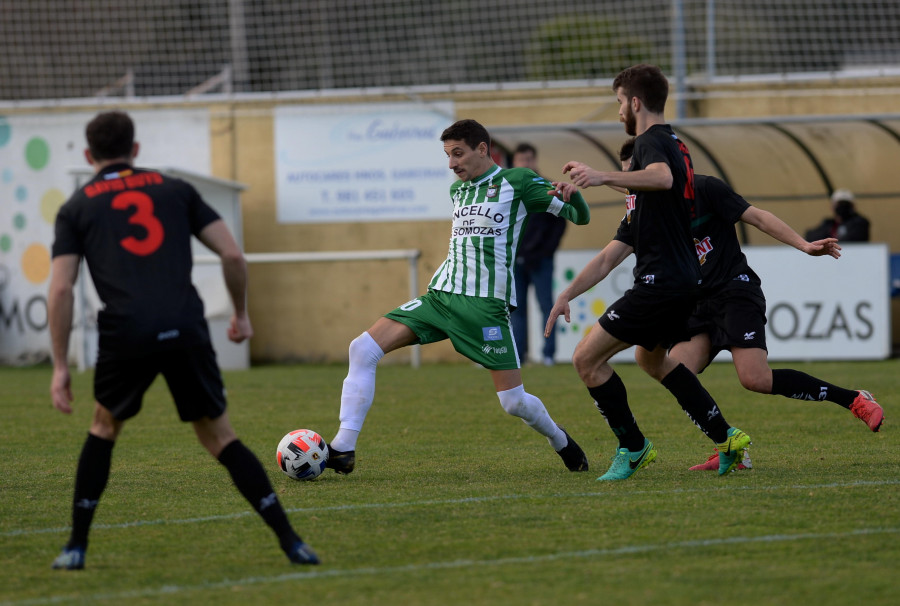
731	312
655	310
134	228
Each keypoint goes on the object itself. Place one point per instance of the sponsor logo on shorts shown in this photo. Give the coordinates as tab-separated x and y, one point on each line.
743	278
492	333
612	315
490	349
649	279
168	334
749	336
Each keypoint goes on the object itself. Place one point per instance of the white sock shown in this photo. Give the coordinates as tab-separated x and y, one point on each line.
531	410
358	391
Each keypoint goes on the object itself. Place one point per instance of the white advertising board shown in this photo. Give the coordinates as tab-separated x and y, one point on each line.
363	162
818	308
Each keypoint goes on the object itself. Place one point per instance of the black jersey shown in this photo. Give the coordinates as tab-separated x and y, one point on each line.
134	228
718	208
657	223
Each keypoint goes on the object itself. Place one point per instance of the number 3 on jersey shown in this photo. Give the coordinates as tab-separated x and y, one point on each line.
144	217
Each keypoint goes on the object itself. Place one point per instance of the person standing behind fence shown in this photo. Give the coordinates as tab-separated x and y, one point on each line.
134	228
845	224
534	265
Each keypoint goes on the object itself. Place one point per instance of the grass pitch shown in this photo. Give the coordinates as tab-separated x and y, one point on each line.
453	501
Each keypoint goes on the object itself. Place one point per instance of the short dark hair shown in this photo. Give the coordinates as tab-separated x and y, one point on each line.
469	131
525	148
647	83
627	150
110	135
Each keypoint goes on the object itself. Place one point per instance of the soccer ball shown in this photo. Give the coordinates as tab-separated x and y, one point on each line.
302	454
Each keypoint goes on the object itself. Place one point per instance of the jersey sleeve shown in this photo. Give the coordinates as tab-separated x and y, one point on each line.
724	201
201	213
623	233
537	200
66	240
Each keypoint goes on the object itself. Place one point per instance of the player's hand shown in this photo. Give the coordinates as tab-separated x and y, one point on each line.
61	390
583	175
240	329
563	190
561	307
820	248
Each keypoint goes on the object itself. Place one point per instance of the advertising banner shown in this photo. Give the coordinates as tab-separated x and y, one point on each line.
362	162
818	308
37	155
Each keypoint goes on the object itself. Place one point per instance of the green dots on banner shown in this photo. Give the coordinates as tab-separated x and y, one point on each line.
37	153
570	274
5	243
19	221
21	193
5	131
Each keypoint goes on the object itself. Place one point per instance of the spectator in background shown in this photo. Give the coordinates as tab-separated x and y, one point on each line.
846	224
534	265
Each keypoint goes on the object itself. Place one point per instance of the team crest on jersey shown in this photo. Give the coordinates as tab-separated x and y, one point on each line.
492	191
703	248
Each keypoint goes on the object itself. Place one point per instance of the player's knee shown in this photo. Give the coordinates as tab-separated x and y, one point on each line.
364	351
584	365
758	382
513	401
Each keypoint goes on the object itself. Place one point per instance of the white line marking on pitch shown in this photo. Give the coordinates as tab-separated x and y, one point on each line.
463	500
321	573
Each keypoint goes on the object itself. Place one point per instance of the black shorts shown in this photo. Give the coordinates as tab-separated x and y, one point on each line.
192	375
734	316
649	318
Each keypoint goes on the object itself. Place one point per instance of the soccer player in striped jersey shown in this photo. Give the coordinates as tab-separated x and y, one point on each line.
470	295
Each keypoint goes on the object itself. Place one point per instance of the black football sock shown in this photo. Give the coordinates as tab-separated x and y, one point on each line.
801	386
90	481
251	480
697	403
611	400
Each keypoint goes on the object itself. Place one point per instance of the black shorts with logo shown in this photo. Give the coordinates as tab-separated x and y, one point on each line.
646	317
192	374
734	316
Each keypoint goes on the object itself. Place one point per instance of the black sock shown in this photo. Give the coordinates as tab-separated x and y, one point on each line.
611	400
252	482
90	481
801	386
697	403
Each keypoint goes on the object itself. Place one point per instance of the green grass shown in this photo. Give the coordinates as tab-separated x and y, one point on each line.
455	502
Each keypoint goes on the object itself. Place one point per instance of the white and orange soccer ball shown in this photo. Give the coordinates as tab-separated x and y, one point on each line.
302	454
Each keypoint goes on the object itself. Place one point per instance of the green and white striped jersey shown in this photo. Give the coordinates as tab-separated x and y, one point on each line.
489	214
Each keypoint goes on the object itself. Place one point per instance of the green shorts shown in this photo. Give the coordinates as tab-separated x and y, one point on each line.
478	327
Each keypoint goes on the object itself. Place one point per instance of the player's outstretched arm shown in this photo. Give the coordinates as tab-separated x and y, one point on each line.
60	306
593	273
234	269
768	223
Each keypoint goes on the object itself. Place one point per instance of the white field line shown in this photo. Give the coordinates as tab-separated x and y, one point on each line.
441	502
323	573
